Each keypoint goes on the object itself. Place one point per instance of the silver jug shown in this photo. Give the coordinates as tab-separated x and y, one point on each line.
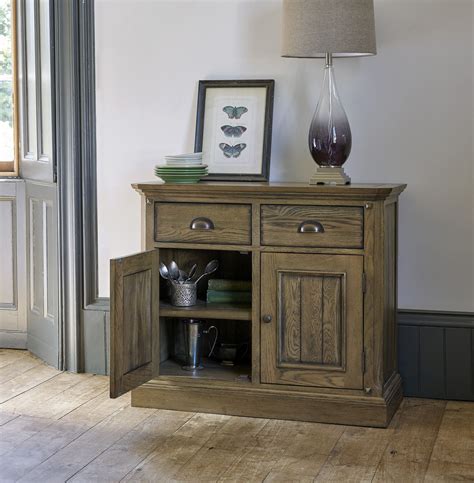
192	343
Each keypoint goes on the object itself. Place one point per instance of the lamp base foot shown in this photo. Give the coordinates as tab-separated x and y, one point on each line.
332	176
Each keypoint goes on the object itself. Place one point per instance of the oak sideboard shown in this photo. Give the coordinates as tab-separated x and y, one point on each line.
319	340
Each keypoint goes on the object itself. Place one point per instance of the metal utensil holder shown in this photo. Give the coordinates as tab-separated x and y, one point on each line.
183	294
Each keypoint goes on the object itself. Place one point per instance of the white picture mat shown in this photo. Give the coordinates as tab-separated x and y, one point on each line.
251	158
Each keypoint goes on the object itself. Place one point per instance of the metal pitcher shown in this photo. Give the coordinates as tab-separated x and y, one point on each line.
192	343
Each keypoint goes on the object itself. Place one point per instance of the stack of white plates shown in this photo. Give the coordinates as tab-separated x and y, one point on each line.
182	169
184	160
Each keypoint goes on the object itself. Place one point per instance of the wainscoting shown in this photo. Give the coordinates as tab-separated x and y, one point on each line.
436	355
12	264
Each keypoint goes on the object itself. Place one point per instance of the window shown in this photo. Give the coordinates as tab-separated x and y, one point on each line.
8	86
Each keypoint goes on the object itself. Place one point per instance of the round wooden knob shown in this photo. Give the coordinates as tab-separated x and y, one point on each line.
267	318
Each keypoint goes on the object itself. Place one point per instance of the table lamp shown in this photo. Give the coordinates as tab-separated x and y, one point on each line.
327	29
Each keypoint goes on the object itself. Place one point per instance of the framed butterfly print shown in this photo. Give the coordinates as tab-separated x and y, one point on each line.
234	128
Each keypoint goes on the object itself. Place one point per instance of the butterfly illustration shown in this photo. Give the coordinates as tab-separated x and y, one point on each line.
233	131
235	112
232	151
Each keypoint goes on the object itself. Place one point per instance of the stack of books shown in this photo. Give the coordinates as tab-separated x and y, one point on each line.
222	291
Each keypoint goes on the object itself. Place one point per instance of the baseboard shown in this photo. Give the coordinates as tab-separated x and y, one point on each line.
436	354
12	340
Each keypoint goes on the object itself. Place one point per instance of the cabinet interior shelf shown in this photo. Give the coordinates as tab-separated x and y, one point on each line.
203	310
212	370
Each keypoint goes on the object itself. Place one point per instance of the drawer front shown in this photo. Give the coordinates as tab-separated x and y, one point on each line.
312	226
203	223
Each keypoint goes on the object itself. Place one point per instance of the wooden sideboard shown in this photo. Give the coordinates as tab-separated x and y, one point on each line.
321	332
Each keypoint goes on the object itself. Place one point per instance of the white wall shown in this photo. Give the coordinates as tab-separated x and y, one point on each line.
410	109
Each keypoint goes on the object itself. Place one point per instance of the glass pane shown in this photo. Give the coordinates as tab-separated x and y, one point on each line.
6	82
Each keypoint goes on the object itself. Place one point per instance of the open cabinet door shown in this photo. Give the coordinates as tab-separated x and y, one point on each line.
134	321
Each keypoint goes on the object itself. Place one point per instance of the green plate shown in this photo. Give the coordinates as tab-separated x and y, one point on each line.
195	175
172	178
181	181
181	172
184	176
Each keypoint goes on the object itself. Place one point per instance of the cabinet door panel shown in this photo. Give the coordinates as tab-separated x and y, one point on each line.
134	305
315	334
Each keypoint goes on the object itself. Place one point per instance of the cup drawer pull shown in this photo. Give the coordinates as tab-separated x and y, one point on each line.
202	223
311	226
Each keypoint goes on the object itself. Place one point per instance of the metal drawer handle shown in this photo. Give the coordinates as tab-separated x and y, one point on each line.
311	226
201	223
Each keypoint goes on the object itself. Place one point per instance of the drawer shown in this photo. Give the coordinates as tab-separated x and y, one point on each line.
312	226
203	223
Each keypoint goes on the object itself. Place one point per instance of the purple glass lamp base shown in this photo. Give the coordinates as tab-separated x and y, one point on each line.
330	137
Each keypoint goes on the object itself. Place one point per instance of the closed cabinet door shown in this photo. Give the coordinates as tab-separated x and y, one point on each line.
312	320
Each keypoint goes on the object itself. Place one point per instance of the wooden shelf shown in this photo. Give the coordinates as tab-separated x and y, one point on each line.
212	370
204	310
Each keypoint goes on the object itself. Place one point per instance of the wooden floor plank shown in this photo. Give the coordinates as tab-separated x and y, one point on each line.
97	409
7	356
86	388
356	455
407	455
17	367
38	448
26	381
222	449
285	448
124	455
175	451
36	400
6	416
447	471
455	441
75	456
18	430
45	443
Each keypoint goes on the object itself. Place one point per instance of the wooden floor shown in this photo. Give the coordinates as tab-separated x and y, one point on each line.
63	427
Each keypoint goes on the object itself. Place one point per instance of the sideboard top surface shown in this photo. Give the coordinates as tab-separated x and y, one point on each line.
263	190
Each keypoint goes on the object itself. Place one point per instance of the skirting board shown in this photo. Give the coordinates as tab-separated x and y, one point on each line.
12	340
436	354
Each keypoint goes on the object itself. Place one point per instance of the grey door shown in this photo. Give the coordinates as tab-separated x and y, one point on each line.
37	167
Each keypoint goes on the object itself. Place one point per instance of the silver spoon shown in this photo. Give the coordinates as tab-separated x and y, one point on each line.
183	276
164	271
191	272
211	267
174	271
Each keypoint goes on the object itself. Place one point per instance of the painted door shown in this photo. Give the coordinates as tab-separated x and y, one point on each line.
134	321
312	320
37	168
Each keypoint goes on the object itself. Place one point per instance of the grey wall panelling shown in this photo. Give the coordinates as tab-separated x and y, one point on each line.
12	264
436	355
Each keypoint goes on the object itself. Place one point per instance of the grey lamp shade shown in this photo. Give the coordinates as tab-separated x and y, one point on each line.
312	28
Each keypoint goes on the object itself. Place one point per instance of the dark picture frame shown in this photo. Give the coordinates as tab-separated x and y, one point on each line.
269	85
